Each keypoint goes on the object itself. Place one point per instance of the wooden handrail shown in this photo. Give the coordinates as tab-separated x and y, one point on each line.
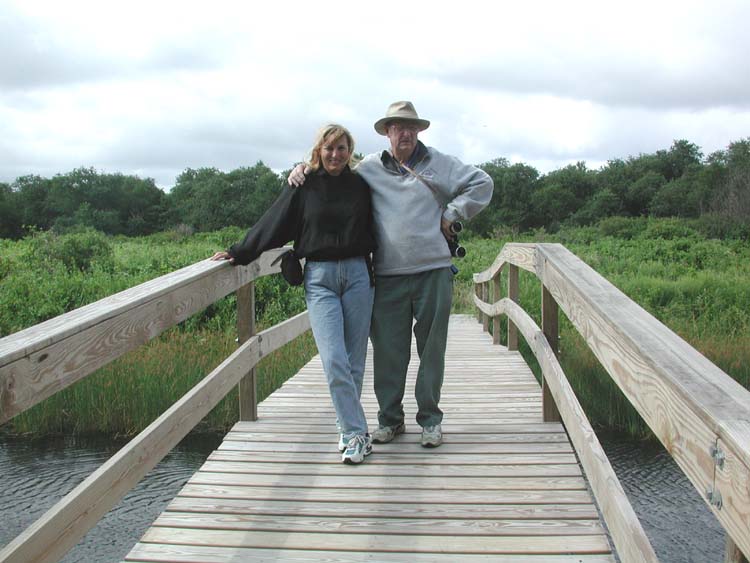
699	413
39	361
519	254
628	535
60	528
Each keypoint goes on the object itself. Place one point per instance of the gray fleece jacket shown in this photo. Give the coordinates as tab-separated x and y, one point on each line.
407	212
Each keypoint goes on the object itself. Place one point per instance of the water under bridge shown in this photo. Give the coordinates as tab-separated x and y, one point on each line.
521	476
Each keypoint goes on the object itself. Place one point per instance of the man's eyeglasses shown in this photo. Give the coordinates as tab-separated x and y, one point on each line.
402	127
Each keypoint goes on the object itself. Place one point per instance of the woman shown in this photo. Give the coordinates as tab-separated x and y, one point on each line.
330	222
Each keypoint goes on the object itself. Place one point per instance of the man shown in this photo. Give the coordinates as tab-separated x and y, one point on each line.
417	194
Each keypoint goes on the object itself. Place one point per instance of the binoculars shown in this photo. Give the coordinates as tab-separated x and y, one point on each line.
457	251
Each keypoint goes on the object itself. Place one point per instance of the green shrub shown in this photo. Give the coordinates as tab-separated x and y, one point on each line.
713	225
698	287
5	266
621	227
78	251
667	229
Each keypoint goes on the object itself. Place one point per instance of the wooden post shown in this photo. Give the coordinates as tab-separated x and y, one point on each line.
513	296
550	328
486	298
245	329
733	553
496	295
478	293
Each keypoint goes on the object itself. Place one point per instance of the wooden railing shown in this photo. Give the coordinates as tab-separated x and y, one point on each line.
700	414
40	361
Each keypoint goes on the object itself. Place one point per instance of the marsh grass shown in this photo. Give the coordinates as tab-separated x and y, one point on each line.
700	288
697	287
125	396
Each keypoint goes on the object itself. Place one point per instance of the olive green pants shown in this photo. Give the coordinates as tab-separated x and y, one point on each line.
399	300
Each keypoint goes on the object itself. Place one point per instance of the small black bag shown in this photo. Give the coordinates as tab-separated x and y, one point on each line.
291	268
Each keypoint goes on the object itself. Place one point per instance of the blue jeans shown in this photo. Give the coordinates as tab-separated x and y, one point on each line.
339	300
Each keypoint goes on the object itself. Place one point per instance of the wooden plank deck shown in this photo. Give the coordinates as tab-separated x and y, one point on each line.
504	486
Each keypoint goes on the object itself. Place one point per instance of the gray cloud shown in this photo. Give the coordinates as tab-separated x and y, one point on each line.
31	60
723	83
189	93
35	59
664	55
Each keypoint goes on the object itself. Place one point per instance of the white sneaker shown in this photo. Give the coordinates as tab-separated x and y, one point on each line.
432	436
385	434
342	443
357	448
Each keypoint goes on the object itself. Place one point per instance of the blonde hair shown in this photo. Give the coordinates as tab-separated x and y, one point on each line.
330	133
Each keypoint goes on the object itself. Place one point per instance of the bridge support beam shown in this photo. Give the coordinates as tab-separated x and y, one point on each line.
245	330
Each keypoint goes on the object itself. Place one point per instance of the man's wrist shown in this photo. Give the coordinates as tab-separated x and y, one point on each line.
451	215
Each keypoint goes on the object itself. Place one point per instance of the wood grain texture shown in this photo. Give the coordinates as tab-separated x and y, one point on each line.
497	294
485	296
37	362
380	525
181	553
689	403
522	255
67	521
378	543
627	533
247	388
386	509
513	295
499	487
550	328
397	470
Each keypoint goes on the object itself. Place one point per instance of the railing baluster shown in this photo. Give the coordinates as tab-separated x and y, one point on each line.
485	298
513	296
652	366
496	296
478	293
550	328
98	333
247	389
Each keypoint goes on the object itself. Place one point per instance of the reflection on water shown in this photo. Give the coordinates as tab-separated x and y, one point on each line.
676	519
35	474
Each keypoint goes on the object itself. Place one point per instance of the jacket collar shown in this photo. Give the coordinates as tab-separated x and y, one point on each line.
322	171
419	154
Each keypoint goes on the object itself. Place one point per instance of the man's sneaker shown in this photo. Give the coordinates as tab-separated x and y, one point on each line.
385	434
357	448
342	443
432	436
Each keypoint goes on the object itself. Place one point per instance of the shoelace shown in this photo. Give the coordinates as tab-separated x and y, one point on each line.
356	440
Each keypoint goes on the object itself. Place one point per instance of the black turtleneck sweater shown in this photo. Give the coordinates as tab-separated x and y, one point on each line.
329	218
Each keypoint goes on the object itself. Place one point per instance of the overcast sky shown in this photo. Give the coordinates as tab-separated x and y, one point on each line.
151	88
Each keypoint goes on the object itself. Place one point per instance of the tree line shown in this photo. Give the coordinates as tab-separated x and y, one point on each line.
677	182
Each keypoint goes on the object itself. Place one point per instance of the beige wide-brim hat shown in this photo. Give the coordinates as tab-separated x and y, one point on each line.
403	111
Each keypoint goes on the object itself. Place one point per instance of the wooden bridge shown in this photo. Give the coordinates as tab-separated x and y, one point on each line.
521	475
